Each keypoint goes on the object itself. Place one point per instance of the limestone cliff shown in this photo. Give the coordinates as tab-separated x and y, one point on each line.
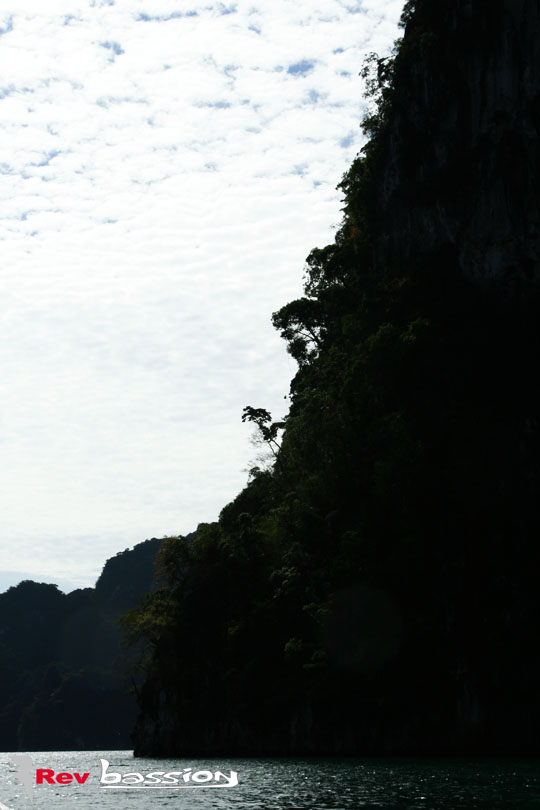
376	591
461	158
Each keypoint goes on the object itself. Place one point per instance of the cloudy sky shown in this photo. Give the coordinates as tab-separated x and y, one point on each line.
165	168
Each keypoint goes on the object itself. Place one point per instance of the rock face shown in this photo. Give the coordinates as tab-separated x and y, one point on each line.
462	159
409	459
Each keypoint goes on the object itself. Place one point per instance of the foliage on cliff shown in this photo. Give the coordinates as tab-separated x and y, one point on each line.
374	589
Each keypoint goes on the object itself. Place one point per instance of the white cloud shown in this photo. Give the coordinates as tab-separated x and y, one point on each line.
165	168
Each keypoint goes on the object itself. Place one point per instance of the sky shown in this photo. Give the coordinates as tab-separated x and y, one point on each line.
165	168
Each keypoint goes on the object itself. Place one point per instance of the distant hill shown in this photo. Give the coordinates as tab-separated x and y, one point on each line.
63	674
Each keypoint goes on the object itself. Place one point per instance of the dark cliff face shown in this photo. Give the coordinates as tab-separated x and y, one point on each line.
405	494
128	576
461	158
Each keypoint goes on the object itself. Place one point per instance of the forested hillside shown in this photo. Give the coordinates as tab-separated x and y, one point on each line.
66	683
375	588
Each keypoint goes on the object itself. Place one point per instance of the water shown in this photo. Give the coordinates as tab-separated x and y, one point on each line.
283	784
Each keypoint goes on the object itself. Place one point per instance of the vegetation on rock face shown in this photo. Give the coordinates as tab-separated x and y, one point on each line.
375	590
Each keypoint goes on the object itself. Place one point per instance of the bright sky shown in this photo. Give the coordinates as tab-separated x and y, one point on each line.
165	168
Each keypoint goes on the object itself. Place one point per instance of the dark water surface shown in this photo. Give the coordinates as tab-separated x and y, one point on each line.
279	784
